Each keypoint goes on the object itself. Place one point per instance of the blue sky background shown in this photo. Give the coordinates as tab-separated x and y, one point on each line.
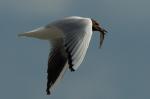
120	70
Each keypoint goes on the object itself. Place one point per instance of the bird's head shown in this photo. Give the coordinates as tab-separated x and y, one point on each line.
96	27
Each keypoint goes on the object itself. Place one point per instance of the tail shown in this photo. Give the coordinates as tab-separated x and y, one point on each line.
37	33
27	34
22	34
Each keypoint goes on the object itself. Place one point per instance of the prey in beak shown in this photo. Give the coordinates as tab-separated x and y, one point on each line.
96	27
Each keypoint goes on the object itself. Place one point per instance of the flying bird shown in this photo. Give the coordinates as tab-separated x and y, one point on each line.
69	38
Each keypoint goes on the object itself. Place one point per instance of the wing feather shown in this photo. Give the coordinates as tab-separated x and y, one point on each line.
57	65
77	32
77	43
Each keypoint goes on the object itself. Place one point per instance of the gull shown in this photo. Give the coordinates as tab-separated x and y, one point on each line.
69	38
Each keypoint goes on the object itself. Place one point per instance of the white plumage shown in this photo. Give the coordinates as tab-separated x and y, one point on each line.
70	39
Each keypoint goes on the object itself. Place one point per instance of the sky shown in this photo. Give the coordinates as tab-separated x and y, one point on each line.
119	70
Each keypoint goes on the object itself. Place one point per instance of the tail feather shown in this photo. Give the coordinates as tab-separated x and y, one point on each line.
37	33
22	34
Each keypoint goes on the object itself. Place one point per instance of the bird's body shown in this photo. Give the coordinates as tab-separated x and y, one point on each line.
70	39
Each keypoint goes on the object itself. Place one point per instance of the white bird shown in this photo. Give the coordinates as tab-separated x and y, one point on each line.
70	39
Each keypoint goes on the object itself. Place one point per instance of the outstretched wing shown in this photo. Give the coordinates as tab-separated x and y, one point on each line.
77	41
57	65
68	51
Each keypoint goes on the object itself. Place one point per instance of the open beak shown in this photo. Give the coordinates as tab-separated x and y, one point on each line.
102	35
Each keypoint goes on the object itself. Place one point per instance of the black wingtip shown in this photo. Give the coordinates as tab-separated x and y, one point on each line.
71	69
69	59
48	88
48	92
